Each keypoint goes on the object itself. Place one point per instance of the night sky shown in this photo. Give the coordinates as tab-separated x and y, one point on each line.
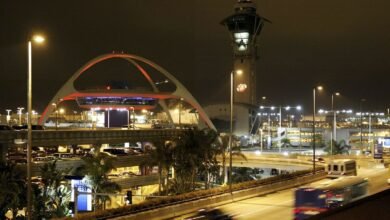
343	45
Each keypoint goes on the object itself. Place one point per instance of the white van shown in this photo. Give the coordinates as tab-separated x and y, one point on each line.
341	167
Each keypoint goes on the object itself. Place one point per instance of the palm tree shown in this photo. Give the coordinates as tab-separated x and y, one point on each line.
12	189
55	195
340	147
285	143
224	152
160	156
208	150
194	155
96	169
185	161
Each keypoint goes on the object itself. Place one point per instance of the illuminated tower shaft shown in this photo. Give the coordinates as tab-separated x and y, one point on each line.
244	25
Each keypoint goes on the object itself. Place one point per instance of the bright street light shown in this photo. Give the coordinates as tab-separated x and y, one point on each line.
38	39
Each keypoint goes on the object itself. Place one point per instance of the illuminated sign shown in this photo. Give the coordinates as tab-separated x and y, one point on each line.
84	202
386	142
241	87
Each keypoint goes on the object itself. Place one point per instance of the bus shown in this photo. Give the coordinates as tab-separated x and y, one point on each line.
310	201
341	167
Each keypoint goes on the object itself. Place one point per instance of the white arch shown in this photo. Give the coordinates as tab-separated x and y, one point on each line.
181	92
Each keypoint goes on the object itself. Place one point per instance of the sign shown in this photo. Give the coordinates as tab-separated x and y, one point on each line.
386	142
378	151
84	202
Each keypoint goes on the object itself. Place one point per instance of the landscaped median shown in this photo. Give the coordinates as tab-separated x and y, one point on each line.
171	206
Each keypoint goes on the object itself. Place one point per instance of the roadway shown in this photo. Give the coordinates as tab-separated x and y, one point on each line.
280	205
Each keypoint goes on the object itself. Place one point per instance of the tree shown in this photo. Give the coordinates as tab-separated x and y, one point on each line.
55	195
195	157
96	169
185	154
209	147
340	147
319	141
224	152
12	189
285	143
160	156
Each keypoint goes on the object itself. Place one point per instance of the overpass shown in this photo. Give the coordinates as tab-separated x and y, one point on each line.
9	139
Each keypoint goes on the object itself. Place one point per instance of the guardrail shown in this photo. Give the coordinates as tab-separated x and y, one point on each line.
172	206
191	206
58	137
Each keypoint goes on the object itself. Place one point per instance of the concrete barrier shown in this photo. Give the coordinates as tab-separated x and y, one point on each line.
188	207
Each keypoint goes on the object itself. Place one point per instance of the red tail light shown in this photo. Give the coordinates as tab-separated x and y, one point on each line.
297	210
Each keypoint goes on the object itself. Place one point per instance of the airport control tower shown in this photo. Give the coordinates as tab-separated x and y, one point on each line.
244	25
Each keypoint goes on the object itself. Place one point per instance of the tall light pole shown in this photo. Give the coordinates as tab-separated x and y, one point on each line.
231	129
8	115
239	72
334	123
20	112
133	117
108	117
314	126
38	39
369	132
56	112
128	119
361	122
180	107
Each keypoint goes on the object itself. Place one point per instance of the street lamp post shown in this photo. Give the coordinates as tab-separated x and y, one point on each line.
361	122
8	115
128	119
38	39
314	127
180	108
56	112
133	117
334	124
20	112
231	130
369	132
108	117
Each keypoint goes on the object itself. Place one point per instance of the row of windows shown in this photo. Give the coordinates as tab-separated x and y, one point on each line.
116	101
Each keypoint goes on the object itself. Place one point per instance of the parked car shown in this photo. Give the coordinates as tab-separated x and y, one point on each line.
24	127
318	159
130	126
5	128
128	174
62	155
113	176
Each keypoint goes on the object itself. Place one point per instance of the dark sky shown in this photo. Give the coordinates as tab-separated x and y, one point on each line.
344	45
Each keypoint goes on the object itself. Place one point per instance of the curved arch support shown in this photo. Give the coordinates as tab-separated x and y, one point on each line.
181	92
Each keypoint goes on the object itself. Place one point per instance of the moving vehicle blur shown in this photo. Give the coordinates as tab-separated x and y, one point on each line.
210	214
310	201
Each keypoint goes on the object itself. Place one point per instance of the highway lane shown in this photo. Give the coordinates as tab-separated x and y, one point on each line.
279	205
